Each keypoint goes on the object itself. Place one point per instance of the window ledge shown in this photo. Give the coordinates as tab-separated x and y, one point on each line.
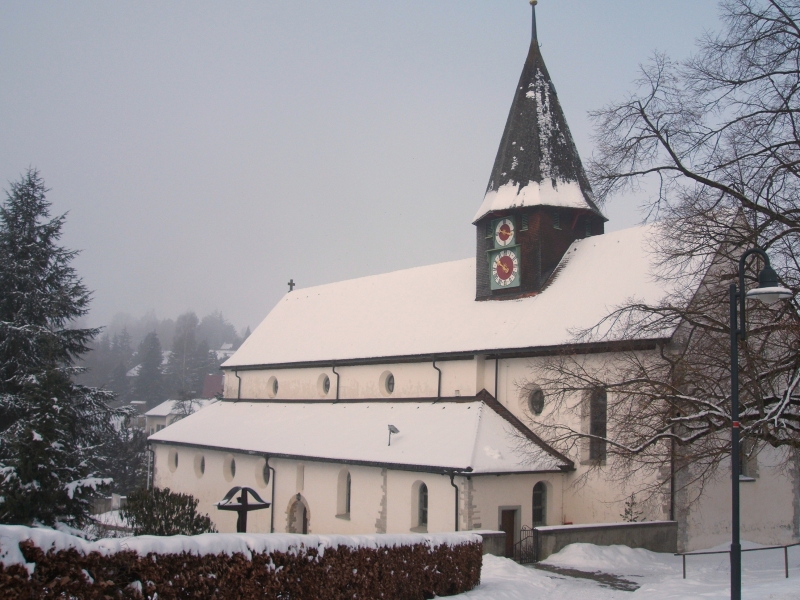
420	529
344	516
746	479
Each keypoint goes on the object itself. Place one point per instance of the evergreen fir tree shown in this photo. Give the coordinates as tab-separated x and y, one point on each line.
54	433
204	363
216	330
122	347
128	459
118	382
182	366
149	385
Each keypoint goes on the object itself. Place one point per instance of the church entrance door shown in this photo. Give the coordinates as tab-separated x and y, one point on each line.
298	517
508	520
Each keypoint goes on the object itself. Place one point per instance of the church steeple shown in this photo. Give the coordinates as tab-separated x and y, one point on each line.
537	163
537	182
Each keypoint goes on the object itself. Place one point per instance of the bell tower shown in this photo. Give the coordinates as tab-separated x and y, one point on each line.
538	200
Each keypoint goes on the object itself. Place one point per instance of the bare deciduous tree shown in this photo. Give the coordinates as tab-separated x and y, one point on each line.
719	136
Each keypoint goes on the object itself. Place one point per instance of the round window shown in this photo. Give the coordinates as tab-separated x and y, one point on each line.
386	383
172	460
199	465
536	400
390	383
229	468
272	386
323	385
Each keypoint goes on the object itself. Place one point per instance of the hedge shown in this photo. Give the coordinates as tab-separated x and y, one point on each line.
387	570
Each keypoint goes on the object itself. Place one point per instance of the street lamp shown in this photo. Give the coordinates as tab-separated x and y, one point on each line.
768	291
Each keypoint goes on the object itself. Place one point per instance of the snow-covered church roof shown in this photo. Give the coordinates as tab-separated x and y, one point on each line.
537	163
475	435
432	310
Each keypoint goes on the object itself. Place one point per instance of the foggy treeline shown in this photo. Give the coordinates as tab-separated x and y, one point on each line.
152	360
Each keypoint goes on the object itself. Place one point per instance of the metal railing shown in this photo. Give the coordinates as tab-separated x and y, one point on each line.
785	547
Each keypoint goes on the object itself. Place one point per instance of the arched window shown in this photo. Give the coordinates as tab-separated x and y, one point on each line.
598	423
343	494
539	504
347	495
422	520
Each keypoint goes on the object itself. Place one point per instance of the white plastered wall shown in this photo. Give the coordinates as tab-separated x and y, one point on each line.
317	487
768	505
411	380
212	486
767	512
494	493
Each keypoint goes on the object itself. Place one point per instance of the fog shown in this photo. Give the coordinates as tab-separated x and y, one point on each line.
207	152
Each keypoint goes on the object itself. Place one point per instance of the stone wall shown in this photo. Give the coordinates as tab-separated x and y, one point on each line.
657	536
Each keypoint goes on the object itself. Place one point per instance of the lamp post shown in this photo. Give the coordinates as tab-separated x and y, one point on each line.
768	291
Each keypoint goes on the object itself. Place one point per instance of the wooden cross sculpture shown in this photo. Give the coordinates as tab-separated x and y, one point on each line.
243	506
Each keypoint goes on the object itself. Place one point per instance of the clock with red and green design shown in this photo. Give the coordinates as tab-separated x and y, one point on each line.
504	233
504	265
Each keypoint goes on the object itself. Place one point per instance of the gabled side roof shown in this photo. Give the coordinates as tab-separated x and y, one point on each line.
537	163
474	435
431	311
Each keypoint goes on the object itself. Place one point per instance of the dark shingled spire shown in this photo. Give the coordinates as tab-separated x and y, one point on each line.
537	163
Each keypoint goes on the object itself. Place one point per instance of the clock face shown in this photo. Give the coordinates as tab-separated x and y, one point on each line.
505	269
503	233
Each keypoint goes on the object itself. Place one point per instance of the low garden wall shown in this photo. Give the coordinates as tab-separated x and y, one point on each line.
40	563
658	536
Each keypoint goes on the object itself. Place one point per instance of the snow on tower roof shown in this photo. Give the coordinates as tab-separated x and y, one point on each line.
432	310
477	434
537	163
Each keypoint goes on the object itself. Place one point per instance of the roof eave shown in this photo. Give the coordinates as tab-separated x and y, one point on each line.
490	353
442	470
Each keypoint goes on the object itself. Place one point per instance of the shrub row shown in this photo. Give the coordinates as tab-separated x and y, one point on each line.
394	572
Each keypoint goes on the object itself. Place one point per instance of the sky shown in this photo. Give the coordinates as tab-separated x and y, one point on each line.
207	152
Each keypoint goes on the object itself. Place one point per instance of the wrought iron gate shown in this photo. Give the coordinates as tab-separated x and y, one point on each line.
525	548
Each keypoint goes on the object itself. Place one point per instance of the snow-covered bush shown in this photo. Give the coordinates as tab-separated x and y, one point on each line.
164	512
43	563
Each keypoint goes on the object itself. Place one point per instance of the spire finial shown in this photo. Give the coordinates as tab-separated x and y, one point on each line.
533	13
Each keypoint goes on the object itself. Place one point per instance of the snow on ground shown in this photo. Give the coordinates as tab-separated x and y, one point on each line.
659	575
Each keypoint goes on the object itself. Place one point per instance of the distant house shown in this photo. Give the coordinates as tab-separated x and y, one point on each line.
170	411
213	385
225	351
141	408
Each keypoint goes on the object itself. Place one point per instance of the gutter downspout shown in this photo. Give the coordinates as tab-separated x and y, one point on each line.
439	384
149	466
496	369
238	389
672	475
452	476
272	506
333	368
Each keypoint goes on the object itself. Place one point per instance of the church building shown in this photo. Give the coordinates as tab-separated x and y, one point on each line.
402	402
